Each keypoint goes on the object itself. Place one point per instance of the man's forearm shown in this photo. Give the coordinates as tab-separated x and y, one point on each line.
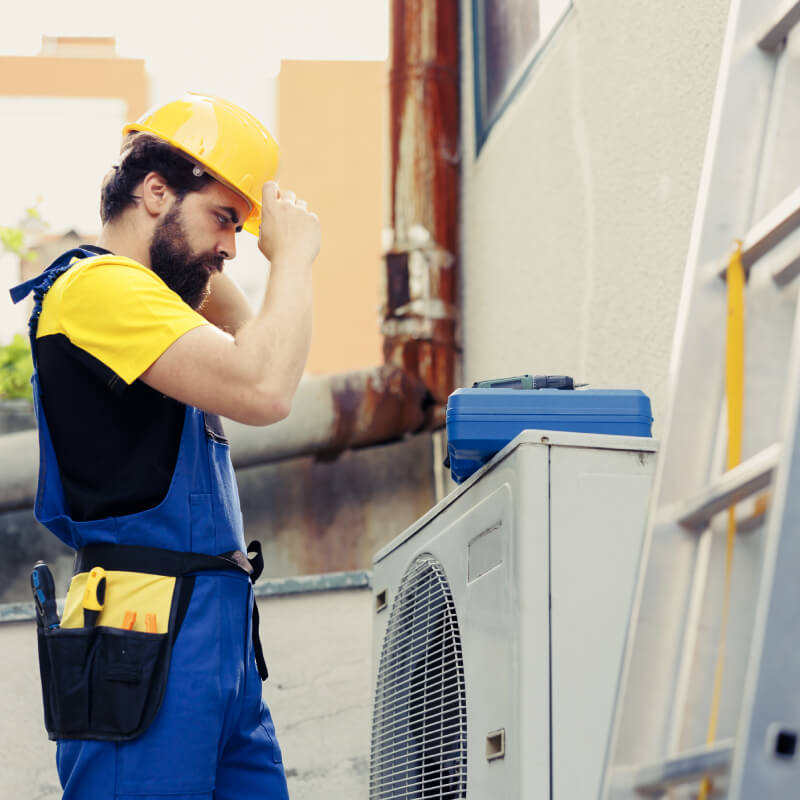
278	337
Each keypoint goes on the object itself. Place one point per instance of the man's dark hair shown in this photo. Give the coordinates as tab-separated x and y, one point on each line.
140	154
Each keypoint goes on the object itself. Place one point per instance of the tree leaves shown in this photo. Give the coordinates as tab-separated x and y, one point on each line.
16	368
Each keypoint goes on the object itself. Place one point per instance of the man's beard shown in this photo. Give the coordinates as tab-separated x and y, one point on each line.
171	258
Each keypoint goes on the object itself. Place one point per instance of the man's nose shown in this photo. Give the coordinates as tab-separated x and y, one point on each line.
226	247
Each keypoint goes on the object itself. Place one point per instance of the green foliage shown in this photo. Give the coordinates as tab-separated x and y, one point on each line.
15	239
16	368
16	364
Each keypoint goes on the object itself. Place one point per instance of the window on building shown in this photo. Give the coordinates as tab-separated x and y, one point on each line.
507	36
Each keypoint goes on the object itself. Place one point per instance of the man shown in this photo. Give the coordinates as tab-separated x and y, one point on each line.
139	343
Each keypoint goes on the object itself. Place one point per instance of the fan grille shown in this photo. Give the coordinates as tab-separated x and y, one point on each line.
419	724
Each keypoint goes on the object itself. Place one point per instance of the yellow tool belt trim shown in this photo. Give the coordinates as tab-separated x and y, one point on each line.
125	591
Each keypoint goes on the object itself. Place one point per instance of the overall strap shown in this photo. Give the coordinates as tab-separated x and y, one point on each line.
256	561
41	284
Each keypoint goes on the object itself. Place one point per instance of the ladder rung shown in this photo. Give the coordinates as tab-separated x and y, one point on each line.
786	273
771	39
772	229
768	232
730	488
652	780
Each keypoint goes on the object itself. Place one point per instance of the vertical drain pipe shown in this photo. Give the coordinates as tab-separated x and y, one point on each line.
421	265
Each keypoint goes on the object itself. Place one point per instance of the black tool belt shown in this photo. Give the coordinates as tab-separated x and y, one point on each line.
108	683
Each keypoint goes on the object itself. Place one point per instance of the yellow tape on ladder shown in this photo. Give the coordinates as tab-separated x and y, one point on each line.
734	392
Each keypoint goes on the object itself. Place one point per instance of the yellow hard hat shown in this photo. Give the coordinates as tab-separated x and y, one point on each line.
228	141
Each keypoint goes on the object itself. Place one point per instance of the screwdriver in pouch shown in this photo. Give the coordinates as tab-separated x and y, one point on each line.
44	595
94	596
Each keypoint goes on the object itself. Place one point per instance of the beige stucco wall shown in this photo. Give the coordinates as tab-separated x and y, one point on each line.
319	654
577	211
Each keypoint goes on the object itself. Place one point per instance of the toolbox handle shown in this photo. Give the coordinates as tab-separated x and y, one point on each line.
529	382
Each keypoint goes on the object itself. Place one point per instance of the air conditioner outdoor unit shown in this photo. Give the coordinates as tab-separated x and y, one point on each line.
500	624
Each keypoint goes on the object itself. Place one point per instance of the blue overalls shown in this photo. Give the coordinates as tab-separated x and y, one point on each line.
213	736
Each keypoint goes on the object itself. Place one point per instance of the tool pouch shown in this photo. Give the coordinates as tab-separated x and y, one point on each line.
104	682
107	682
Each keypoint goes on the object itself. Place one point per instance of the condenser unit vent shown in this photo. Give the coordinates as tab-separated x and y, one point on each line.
419	725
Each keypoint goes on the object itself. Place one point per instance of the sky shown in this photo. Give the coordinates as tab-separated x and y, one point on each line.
226	40
59	149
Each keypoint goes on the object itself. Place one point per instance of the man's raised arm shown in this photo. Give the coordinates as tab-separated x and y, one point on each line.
252	376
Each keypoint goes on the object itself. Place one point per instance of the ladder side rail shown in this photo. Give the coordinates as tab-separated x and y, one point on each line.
692	630
765	765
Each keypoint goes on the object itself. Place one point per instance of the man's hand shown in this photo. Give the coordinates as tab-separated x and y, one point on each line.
289	232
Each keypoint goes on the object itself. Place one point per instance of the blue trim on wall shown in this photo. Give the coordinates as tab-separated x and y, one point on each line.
482	129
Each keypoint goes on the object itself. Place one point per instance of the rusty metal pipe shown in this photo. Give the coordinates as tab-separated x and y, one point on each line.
330	413
419	312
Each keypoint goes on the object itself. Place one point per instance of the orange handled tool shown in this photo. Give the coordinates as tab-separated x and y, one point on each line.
129	621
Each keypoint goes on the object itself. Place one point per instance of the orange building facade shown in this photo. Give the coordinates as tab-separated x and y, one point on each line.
332	132
73	66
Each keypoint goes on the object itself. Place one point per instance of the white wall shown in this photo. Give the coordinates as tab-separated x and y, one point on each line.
318	649
577	212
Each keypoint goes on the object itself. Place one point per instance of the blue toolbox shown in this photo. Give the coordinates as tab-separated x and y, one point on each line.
485	418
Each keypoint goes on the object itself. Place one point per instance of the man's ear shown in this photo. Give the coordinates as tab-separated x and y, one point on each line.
157	197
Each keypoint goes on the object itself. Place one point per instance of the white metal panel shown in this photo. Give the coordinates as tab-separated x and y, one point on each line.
598	508
532	572
491	639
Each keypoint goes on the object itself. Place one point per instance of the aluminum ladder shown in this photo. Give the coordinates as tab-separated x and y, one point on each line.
749	191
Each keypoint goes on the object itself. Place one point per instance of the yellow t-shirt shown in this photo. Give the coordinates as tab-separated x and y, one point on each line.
103	323
118	311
